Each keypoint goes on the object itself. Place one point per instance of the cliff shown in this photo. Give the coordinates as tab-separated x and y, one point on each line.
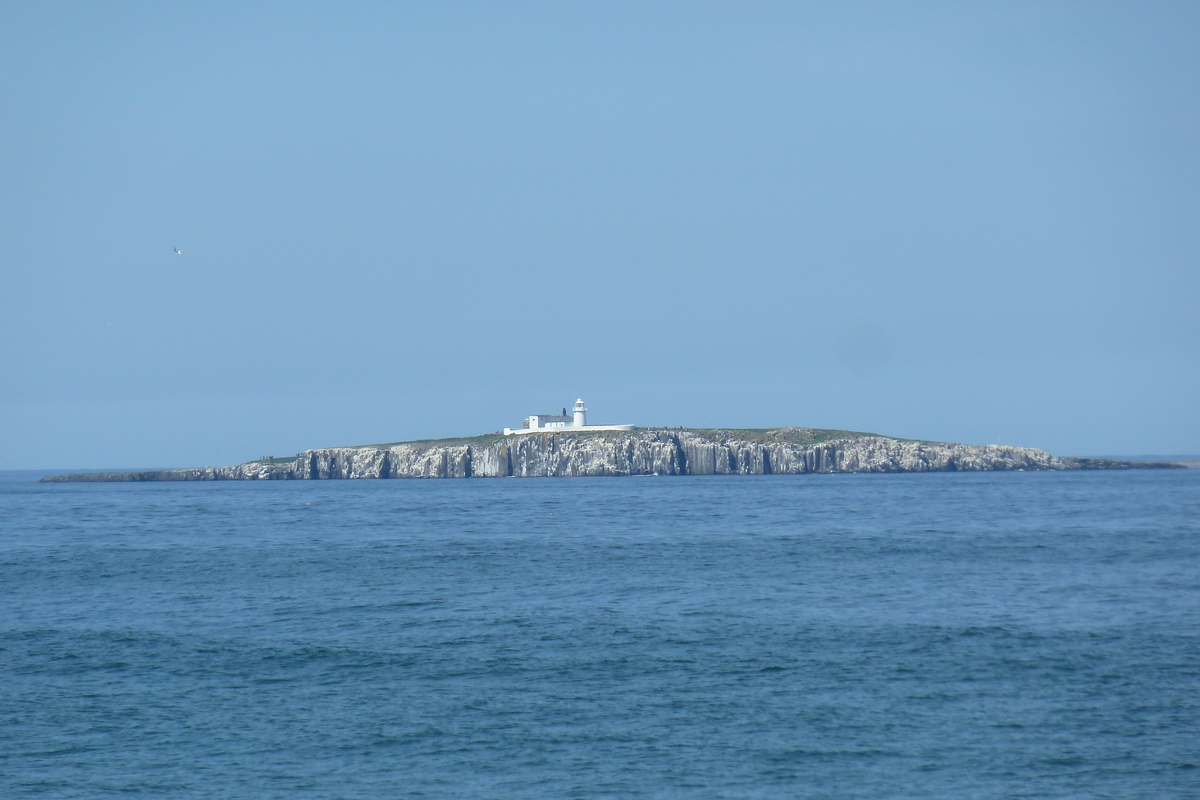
778	451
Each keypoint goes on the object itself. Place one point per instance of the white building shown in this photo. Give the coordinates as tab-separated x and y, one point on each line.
551	423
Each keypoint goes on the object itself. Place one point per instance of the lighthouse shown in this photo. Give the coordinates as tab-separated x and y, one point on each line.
563	423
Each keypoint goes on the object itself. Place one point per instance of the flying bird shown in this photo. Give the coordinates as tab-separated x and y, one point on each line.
178	252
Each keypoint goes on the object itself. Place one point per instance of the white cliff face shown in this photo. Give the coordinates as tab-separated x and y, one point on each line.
553	456
780	451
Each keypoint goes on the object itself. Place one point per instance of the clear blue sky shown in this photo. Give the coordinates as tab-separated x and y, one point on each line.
963	221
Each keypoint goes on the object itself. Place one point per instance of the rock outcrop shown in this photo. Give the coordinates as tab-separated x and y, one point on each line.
780	451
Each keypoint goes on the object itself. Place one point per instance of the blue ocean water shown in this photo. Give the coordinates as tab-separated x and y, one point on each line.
861	636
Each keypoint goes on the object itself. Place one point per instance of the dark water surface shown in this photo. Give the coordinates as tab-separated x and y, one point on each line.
873	636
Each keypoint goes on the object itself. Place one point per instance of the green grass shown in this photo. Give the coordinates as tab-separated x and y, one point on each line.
762	435
794	435
483	440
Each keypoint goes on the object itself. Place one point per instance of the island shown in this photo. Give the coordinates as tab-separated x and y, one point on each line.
593	451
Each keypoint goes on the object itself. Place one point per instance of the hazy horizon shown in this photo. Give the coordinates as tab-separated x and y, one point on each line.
969	223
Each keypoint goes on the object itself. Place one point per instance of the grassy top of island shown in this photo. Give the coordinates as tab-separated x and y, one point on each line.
791	434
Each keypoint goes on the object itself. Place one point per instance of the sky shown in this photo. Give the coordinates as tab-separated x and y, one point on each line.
970	222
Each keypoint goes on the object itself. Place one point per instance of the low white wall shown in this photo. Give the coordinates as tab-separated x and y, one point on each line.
584	429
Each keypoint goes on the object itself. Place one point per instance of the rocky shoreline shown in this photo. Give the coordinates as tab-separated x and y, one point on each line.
776	451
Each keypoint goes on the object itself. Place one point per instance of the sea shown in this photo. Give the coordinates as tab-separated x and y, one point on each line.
987	635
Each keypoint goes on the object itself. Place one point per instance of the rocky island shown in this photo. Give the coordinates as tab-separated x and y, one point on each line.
640	451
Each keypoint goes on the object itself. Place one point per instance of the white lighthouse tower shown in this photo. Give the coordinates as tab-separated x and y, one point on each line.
563	423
